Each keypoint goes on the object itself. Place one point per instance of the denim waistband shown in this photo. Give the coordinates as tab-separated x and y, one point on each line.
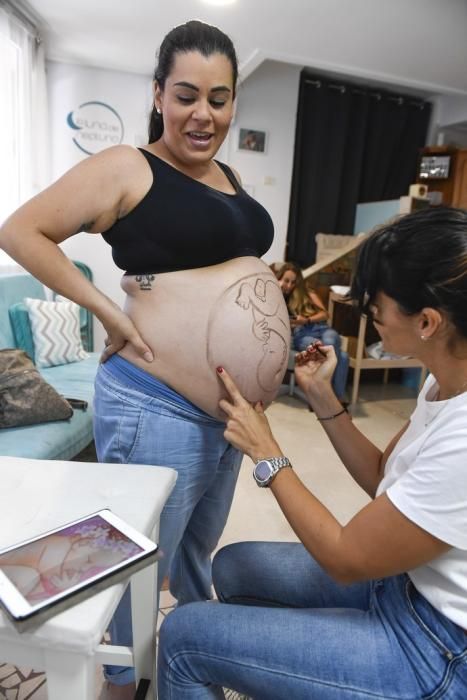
137	378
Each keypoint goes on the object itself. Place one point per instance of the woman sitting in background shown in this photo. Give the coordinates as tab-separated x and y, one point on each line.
308	318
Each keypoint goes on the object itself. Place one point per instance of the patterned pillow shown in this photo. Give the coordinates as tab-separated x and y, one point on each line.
55	331
21	326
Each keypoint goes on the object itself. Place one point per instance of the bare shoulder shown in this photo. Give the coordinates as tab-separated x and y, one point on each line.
115	159
237	175
90	196
122	153
315	298
103	184
122	177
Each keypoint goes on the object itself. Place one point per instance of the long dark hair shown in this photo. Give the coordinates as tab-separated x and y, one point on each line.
419	260
191	36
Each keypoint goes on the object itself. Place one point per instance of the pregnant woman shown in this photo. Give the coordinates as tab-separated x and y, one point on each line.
188	239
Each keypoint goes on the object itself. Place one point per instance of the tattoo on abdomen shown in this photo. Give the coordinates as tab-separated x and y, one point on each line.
260	298
145	281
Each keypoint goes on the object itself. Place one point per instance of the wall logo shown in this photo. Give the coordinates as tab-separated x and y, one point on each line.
96	126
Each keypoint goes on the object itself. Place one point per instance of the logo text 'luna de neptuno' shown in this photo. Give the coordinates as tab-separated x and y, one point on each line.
96	126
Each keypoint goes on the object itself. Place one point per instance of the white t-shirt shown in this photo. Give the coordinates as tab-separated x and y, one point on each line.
426	479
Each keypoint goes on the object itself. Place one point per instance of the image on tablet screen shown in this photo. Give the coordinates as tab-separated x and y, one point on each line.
56	562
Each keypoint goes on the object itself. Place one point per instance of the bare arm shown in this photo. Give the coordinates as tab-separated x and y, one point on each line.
379	541
89	197
321	314
362	459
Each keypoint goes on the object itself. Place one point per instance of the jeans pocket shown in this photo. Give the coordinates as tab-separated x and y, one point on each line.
130	429
426	617
117	425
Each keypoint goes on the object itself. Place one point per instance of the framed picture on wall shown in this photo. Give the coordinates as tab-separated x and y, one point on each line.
252	140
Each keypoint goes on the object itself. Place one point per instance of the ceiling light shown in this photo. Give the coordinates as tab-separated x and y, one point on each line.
219	2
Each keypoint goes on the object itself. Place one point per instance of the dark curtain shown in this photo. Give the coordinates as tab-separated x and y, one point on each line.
352	144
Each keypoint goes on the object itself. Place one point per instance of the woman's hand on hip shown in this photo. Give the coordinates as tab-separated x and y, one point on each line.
247	427
121	331
315	364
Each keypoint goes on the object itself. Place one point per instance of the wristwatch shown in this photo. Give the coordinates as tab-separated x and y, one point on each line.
265	470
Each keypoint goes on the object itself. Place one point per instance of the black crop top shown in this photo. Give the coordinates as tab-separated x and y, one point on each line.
183	224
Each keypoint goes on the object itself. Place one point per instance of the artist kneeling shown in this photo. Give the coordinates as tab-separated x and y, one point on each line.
376	608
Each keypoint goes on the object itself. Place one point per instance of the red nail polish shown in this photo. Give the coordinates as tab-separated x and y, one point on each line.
219	369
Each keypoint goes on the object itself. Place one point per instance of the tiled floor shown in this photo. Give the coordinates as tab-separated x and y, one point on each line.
381	412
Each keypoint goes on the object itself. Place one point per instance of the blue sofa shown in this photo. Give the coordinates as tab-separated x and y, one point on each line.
57	439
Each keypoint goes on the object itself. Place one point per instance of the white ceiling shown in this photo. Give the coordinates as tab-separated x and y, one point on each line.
420	44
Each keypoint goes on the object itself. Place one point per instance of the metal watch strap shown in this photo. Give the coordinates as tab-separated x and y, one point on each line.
277	463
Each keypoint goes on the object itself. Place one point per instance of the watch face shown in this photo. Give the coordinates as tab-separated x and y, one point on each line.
263	470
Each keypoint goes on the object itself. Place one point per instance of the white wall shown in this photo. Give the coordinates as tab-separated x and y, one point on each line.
70	86
453	128
452	110
267	101
449	110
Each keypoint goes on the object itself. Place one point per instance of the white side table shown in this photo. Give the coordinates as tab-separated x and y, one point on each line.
37	495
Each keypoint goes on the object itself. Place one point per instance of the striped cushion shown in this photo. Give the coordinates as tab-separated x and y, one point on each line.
55	331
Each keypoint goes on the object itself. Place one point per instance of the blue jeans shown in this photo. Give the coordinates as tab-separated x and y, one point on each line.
133	428
291	633
303	336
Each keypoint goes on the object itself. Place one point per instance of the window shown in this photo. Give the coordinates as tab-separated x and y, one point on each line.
23	110
9	103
